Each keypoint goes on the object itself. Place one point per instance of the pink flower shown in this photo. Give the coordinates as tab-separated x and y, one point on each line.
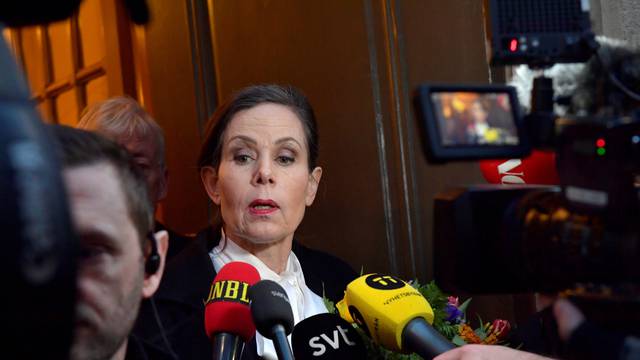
453	301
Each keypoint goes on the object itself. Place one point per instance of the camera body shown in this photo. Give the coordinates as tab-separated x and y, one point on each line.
537	238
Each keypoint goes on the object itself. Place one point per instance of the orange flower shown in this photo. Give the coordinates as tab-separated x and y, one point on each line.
468	335
492	339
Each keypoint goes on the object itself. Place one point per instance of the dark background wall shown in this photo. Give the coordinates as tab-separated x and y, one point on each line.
172	94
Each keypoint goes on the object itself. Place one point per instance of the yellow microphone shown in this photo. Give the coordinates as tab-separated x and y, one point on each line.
394	314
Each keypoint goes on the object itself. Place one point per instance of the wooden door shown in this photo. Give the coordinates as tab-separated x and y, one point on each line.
76	62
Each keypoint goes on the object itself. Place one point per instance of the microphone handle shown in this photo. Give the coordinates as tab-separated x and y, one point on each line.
227	346
280	342
421	338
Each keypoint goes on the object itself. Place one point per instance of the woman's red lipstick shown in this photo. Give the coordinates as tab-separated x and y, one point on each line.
261	207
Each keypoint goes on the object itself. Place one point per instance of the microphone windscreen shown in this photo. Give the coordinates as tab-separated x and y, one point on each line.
382	305
539	168
227	306
270	306
326	336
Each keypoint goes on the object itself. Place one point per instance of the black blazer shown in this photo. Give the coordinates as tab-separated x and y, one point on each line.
177	242
179	302
139	350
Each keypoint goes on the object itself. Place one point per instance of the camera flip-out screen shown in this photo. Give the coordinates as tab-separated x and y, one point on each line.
470	122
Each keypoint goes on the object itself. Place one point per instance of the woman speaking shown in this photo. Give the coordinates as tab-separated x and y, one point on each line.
258	166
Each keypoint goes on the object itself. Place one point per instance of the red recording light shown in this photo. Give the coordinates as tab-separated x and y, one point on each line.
513	45
600	143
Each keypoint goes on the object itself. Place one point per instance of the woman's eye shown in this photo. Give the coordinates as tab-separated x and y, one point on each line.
285	160
242	158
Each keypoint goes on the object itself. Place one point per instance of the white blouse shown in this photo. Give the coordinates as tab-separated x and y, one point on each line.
304	302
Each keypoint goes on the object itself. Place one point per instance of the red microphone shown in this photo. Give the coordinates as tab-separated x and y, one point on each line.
539	169
227	315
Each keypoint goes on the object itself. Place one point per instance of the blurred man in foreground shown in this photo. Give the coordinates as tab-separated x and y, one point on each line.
121	260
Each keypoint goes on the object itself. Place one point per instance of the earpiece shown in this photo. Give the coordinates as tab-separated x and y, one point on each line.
152	263
151	266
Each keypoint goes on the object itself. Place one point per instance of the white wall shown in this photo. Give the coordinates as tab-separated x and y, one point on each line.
617	18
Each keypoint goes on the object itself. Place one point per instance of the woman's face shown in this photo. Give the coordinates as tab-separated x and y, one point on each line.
478	113
263	184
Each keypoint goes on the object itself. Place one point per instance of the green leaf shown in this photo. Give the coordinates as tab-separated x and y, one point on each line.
457	340
330	305
482	334
438	301
481	330
449	330
465	305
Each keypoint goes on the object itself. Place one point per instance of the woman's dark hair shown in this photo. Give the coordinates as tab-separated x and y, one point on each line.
247	98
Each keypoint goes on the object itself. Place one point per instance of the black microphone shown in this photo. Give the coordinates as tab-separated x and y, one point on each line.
423	339
272	315
326	337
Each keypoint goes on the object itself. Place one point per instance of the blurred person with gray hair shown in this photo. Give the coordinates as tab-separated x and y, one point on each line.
124	121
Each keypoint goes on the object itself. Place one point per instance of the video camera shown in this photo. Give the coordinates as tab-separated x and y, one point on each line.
539	238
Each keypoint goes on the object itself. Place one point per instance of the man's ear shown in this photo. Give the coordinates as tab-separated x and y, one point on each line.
312	186
152	281
209	177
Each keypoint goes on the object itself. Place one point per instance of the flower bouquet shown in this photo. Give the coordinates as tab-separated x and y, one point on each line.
449	319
